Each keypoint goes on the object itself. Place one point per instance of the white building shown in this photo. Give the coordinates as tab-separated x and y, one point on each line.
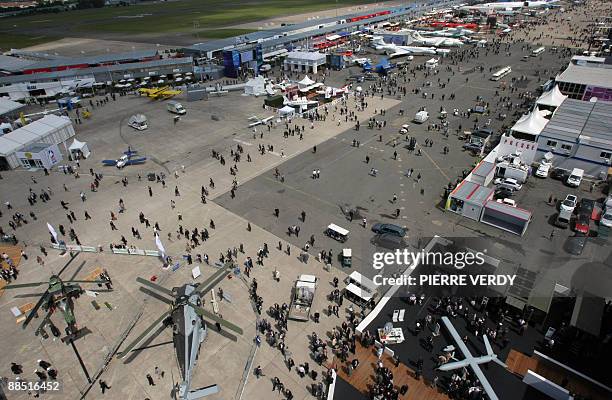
302	61
50	130
579	135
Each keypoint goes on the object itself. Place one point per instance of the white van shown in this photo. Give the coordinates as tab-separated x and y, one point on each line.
176	108
575	178
421	117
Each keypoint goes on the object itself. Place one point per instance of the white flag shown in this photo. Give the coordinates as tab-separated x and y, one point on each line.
160	246
52	231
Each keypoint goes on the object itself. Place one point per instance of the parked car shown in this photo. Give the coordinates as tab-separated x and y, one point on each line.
586	207
508	202
472	146
542	171
390	229
582	224
508	183
559	174
503	193
606	217
563	219
569	204
575	244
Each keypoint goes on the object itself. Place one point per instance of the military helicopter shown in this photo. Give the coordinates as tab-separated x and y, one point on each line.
60	294
189	328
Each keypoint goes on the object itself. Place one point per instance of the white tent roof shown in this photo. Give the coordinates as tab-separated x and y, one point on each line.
7	146
286	110
77	145
306	81
553	97
532	123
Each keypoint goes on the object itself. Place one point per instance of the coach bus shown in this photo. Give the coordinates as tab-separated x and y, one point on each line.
537	51
501	73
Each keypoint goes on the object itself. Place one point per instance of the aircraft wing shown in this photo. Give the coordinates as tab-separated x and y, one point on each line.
398	53
484	382
458	341
134	161
109	162
437	41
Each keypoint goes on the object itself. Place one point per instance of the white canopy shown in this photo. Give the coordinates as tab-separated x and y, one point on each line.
287	110
79	147
306	81
255	86
531	123
552	98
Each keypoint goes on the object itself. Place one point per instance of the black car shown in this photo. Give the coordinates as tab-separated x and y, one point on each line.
503	193
585	206
559	174
575	244
389	241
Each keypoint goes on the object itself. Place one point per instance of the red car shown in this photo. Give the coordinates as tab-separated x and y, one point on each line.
582	223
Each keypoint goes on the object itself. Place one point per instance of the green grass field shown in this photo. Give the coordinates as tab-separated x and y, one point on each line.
204	17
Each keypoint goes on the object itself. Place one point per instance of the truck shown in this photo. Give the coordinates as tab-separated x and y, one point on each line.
302	297
175	107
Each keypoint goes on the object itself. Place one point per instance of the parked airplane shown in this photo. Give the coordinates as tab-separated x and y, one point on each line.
470	360
449	32
435	41
301	102
509	6
393	50
125	159
258	121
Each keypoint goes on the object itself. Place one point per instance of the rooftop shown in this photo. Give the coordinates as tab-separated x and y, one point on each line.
586	75
574	119
7	106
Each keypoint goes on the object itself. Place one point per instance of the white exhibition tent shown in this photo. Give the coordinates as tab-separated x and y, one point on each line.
81	148
286	110
552	98
255	86
50	129
531	123
306	82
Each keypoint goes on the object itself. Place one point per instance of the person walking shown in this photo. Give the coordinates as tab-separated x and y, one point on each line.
104	386
150	380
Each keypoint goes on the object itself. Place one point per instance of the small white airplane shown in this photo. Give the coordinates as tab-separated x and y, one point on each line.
393	50
435	41
301	102
509	5
259	121
471	361
449	32
360	61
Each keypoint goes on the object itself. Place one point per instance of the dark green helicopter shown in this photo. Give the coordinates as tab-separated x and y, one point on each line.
59	296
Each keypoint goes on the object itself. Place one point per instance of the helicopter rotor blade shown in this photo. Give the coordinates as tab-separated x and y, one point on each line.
34	310
25	295
207	314
155	286
144	334
80	281
156	295
77	270
212	280
68	263
22	285
223	333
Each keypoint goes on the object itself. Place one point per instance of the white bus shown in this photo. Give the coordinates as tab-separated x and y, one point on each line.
538	51
501	73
